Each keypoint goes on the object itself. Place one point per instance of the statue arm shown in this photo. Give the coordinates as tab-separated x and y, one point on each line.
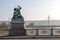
19	7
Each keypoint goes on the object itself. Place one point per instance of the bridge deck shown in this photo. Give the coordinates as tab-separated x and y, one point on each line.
31	37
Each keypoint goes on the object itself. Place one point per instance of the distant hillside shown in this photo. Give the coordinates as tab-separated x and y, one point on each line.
44	22
4	22
36	23
41	22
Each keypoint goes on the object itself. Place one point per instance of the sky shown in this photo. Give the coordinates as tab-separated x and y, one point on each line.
31	9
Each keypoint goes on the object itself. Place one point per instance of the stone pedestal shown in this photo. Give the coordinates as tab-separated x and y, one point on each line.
17	28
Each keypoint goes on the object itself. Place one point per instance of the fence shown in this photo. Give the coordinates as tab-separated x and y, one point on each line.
36	32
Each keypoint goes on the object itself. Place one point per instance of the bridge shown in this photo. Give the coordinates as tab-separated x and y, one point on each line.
31	37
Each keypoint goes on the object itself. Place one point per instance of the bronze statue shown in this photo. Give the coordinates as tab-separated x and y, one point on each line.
17	23
17	12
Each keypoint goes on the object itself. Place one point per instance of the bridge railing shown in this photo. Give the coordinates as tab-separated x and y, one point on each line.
43	32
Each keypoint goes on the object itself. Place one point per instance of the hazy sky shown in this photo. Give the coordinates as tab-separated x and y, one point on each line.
31	9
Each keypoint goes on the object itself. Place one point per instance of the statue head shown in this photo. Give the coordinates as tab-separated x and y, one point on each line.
15	9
